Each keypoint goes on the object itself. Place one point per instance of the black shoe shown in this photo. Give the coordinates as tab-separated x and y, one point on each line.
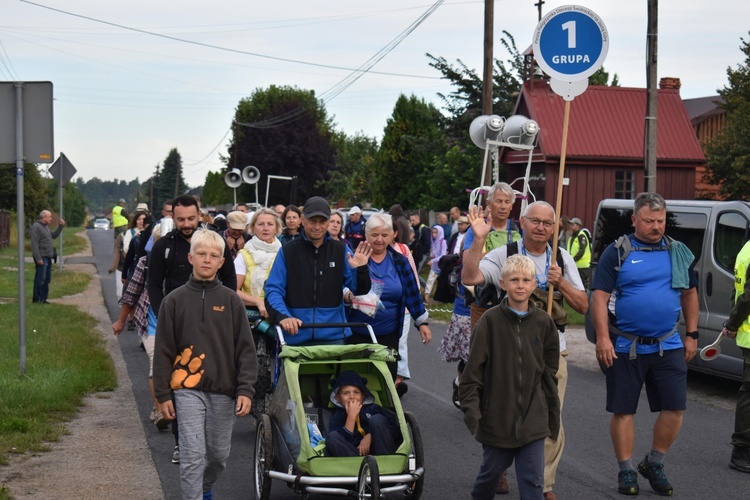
655	474
131	324
455	399
740	459
627	482
401	389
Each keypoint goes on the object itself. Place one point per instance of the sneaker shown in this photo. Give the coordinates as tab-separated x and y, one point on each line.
627	482
160	421
740	459
656	477
152	416
176	455
454	398
503	488
208	495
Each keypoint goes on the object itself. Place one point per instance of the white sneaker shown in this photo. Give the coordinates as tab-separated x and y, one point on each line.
176	455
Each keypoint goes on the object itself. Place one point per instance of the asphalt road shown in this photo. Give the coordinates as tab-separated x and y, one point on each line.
696	465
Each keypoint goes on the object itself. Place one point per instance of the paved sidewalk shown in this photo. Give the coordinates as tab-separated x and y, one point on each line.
105	454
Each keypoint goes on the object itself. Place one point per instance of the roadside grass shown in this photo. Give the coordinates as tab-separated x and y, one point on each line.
65	360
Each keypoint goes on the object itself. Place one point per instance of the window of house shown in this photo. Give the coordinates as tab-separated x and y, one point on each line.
624	185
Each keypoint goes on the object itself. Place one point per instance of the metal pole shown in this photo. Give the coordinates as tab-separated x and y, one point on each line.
20	215
489	14
62	166
651	97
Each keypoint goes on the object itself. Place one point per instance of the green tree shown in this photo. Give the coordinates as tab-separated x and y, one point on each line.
413	138
74	203
601	77
36	192
215	190
728	154
350	181
171	182
283	131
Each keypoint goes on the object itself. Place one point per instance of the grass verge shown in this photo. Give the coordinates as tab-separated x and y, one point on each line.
65	359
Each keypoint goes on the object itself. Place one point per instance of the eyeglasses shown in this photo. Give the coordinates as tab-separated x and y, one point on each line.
535	222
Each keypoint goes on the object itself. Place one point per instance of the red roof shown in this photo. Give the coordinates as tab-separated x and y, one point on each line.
607	123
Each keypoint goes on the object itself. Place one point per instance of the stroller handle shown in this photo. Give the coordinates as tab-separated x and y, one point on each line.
282	340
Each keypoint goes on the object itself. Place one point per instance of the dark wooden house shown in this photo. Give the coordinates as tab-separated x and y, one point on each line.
604	157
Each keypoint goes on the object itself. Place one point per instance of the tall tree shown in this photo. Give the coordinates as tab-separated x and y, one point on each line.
601	77
215	190
728	154
171	182
412	139
283	131
350	181
74	203
36	191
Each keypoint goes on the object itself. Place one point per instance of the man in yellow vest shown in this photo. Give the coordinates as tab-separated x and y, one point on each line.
579	247
119	218
738	328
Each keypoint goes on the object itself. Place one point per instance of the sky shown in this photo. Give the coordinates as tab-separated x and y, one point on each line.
134	79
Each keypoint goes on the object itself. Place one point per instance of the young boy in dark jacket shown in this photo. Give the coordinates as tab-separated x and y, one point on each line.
359	426
204	358
508	390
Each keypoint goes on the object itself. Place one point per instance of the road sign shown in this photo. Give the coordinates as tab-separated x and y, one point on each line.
570	43
68	170
38	140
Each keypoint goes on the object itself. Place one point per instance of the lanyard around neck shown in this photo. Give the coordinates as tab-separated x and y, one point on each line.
541	280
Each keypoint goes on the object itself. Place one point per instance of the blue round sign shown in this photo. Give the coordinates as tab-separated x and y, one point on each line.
570	43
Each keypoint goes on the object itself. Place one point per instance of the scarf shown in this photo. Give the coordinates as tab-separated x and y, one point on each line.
263	255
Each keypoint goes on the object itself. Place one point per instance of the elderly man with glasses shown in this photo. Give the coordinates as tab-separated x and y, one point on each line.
538	224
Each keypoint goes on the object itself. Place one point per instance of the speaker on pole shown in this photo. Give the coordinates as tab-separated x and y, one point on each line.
250	175
233	178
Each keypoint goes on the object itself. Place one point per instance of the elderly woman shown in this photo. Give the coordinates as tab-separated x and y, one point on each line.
391	273
252	265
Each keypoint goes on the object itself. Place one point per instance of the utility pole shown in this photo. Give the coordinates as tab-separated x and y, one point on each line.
649	153
489	14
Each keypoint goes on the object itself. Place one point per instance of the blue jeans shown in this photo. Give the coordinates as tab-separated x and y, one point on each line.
206	423
529	470
41	280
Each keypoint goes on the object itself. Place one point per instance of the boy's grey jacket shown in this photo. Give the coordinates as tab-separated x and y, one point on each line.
508	390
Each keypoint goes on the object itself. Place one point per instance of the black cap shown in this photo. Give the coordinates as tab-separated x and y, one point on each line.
316	206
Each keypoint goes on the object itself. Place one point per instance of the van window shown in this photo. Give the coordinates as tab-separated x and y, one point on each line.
731	235
689	228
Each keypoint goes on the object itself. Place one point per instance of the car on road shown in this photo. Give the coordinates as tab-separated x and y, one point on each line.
101	224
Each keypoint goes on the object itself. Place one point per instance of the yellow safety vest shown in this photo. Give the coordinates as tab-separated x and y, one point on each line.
573	246
117	219
740	272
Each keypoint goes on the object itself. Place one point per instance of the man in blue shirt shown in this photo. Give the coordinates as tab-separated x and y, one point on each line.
640	303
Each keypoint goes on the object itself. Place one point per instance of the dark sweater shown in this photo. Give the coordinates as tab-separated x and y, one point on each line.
508	389
203	342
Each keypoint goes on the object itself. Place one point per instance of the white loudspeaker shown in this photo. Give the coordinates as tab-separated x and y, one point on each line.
519	130
250	175
233	178
486	127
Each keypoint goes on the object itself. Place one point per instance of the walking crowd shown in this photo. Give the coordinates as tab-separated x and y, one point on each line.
202	293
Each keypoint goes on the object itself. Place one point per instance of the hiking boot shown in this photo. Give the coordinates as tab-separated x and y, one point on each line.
455	399
176	455
627	482
656	477
503	488
740	459
160	421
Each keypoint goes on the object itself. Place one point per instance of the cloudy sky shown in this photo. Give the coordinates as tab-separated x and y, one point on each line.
134	79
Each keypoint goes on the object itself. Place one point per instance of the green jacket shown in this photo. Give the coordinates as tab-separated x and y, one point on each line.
508	389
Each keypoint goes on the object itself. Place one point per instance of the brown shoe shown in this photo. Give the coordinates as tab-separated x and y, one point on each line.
548	495
503	488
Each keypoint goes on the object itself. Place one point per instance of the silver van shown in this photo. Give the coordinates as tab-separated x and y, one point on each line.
715	231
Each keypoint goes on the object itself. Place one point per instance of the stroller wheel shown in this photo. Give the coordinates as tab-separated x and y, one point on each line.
263	457
368	483
416	454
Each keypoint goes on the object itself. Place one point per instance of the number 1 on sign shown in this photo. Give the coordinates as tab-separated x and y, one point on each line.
570	27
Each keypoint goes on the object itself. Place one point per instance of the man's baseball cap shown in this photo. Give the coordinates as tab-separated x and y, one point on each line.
355	210
121	201
577	221
316	206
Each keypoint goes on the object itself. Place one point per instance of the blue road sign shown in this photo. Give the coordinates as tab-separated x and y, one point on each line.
570	43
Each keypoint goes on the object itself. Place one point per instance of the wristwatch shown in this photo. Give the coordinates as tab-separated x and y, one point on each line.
693	335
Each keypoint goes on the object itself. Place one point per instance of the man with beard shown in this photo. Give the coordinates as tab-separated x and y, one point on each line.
169	267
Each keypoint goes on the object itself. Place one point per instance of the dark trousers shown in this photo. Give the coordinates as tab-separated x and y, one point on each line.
529	470
741	436
382	440
41	280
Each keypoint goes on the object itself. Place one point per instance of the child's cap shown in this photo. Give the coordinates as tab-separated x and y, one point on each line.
350	377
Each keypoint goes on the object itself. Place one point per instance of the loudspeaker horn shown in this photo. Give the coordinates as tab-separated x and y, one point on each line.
486	127
520	130
233	178
250	175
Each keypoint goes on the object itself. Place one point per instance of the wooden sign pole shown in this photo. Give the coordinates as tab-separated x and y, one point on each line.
558	201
